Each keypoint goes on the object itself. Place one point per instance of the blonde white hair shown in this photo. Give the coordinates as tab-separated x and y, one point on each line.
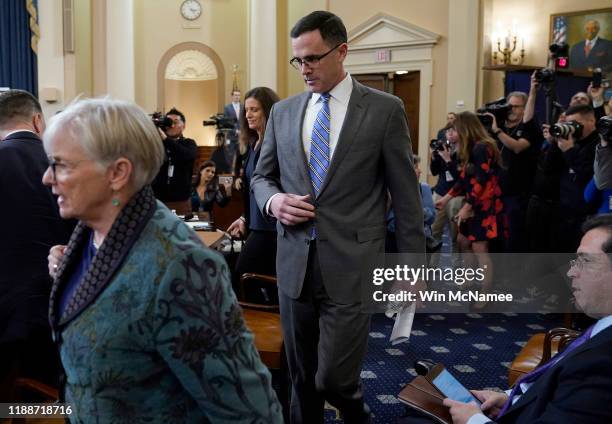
109	129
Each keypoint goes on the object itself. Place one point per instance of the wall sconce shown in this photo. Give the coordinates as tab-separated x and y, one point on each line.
505	42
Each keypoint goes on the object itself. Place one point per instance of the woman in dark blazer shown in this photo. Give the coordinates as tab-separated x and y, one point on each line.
258	254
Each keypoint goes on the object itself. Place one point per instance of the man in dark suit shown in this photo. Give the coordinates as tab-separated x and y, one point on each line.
328	157
593	51
576	387
30	224
232	111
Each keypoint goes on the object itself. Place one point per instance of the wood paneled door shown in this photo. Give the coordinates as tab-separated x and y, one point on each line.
406	87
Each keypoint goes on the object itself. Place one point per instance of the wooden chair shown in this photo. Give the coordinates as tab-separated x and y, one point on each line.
538	350
264	322
46	393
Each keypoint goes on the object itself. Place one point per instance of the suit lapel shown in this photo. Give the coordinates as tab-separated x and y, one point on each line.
295	141
355	112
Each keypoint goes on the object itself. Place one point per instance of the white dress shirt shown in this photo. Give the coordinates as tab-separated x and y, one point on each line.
338	105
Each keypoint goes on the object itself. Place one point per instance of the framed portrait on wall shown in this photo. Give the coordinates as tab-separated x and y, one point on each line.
589	36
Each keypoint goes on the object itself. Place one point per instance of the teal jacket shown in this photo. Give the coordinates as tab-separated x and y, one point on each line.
153	333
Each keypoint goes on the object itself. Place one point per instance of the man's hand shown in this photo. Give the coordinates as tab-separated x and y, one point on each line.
565	144
237	229
291	209
441	202
162	134
596	93
494	126
546	133
445	154
461	412
56	254
492	402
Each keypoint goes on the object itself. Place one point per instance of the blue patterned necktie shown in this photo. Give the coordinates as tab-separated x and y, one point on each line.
535	374
319	146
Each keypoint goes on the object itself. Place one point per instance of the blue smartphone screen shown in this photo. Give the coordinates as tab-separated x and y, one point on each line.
452	388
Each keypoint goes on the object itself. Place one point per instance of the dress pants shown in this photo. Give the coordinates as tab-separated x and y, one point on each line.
326	344
258	255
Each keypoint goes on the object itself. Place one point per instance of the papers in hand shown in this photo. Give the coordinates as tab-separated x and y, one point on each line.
404	316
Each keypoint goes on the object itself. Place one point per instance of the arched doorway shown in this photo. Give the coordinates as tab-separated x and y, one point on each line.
191	77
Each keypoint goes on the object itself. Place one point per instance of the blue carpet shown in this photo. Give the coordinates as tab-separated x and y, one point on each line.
476	348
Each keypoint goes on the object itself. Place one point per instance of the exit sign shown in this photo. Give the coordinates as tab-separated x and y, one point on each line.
382	55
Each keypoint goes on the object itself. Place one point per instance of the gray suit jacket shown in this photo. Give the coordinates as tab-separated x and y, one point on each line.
373	153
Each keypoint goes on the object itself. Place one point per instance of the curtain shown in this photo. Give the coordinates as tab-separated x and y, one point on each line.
18	44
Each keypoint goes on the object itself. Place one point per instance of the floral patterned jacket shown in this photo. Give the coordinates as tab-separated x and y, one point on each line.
153	332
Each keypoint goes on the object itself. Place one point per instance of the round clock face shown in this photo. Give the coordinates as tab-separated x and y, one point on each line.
191	9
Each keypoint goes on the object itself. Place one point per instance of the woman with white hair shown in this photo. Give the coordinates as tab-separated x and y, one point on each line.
143	314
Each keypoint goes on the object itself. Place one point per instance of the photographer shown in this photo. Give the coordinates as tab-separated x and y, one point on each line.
518	139
543	206
172	185
574	153
603	155
444	163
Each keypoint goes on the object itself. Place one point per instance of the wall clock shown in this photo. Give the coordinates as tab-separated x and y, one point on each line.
191	9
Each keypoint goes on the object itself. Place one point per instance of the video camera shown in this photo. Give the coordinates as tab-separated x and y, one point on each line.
439	145
565	129
604	126
161	121
544	76
498	108
221	121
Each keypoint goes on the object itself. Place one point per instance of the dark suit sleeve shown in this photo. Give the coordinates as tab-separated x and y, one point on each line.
181	149
266	179
584	392
402	182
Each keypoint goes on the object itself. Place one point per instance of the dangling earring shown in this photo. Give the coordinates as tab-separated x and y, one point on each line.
115	202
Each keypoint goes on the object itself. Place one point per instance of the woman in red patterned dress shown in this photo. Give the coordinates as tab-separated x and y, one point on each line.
480	220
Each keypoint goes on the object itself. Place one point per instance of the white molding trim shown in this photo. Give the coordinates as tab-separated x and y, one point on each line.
410	50
191	65
385	31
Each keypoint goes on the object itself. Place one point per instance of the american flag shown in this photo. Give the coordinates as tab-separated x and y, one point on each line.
560	30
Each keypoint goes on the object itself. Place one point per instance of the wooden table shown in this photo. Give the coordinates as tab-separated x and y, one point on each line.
211	239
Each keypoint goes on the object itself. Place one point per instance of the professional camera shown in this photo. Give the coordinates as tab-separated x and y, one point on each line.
221	121
604	126
544	76
498	108
565	129
161	121
439	145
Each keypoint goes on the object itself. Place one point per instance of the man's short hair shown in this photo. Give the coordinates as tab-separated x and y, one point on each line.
17	106
175	111
604	222
581	110
523	96
330	26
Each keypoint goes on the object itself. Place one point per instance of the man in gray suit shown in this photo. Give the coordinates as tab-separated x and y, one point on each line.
328	157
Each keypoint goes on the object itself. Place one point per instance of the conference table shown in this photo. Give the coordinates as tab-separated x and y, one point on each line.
211	239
